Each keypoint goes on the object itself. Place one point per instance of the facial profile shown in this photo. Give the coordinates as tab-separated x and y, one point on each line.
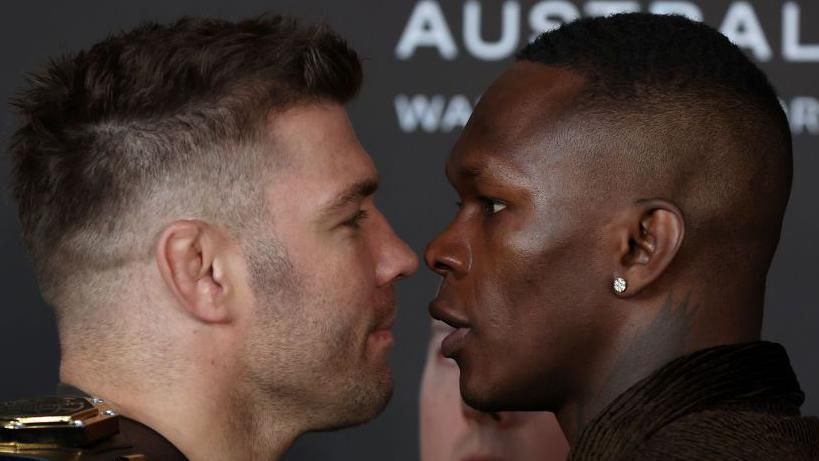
213	213
517	258
323	274
576	171
451	430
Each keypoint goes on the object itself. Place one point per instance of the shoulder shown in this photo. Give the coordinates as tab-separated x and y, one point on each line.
735	434
75	428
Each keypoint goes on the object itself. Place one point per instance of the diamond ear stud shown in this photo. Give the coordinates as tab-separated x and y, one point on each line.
620	285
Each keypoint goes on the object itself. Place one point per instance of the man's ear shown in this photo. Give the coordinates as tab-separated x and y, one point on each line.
648	241
189	257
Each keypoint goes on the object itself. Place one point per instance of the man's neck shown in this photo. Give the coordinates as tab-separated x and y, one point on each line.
202	421
645	345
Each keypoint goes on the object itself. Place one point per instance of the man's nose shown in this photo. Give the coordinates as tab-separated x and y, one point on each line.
449	252
396	258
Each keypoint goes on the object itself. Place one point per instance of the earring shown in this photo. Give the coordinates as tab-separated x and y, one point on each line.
620	285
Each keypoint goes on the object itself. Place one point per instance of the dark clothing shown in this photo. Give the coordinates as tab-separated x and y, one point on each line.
133	438
738	402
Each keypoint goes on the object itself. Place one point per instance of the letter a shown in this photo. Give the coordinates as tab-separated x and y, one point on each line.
742	27
426	27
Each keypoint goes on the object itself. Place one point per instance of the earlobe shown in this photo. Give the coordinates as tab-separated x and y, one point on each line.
655	234
186	256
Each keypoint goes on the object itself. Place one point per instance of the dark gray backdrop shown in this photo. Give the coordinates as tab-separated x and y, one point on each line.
421	79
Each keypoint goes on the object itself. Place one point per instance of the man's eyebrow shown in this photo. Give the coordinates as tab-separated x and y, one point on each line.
470	172
464	172
459	172
351	194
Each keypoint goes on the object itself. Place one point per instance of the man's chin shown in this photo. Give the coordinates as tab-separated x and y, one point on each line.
379	395
378	403
482	402
494	397
364	403
483	395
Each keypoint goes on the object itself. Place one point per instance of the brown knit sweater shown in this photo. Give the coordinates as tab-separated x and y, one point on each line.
738	402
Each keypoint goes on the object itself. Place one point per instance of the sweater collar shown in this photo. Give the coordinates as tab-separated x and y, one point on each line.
733	375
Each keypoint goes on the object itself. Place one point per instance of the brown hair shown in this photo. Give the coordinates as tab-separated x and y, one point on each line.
111	134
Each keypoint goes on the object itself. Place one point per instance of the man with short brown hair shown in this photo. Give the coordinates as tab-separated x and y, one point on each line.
200	214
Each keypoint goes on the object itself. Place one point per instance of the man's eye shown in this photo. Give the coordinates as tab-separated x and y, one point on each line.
492	206
356	219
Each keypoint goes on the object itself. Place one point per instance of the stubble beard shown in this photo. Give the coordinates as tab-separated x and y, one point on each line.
307	366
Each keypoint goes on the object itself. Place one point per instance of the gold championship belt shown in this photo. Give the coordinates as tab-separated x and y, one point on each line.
53	428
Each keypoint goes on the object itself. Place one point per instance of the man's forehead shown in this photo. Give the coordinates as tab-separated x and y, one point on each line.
478	164
528	83
515	118
528	98
328	167
352	193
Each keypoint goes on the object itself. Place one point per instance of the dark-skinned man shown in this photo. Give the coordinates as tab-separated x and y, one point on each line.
622	190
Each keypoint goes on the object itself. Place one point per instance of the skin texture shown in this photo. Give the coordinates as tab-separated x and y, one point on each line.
343	257
273	334
451	430
554	205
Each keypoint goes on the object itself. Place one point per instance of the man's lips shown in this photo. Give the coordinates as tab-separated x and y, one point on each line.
454	341
440	310
381	335
383	327
386	324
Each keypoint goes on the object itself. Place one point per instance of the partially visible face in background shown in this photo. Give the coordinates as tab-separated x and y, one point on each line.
452	431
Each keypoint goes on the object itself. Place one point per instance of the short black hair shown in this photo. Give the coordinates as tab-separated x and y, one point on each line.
163	105
626	55
685	108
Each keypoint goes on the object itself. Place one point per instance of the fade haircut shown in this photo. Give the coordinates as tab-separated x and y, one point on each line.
629	58
155	124
687	109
